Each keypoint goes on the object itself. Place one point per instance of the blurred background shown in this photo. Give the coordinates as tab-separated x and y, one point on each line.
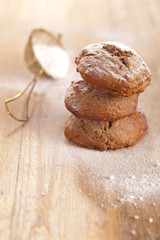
82	22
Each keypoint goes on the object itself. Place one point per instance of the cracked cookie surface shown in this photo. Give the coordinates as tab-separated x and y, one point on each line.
113	68
86	102
104	135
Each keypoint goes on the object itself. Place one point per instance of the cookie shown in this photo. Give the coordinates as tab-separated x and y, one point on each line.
113	68
86	102
104	135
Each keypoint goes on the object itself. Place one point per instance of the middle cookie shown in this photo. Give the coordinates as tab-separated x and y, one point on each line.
86	102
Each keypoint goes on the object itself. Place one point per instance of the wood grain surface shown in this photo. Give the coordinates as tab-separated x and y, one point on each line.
45	191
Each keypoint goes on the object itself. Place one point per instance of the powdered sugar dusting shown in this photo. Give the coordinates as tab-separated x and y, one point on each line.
131	173
121	46
150	220
133	232
53	59
94	47
136	170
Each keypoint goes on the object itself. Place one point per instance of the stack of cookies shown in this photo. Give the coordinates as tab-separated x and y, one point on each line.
104	104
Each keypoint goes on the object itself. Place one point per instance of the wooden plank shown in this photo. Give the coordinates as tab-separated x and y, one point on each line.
49	188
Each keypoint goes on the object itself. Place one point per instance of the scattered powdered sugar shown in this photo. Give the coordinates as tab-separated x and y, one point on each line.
157	164
150	220
92	48
133	232
43	194
121	46
112	177
140	198
131	174
136	217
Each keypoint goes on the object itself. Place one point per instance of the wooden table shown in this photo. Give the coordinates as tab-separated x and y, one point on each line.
47	191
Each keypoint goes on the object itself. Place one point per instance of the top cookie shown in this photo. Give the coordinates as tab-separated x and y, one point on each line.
113	68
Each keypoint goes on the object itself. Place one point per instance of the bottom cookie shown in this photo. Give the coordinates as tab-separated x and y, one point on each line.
104	135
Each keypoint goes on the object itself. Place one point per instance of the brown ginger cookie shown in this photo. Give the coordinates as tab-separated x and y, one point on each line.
86	102
104	135
113	68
